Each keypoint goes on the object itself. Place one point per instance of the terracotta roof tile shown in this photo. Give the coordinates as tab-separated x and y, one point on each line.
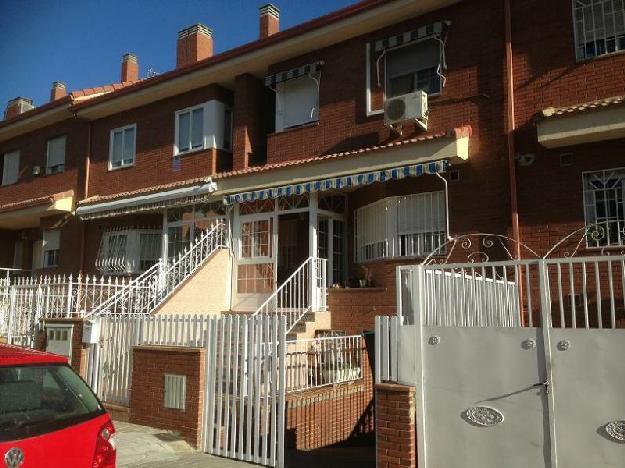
35	201
550	112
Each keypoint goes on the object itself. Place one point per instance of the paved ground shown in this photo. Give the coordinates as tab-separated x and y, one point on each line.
145	447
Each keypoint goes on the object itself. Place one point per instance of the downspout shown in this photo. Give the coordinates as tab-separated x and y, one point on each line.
510	129
83	228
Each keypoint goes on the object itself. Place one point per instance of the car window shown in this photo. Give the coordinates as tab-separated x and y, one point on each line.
42	398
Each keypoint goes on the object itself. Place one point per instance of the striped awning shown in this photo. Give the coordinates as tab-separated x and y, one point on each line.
338	183
431	30
272	80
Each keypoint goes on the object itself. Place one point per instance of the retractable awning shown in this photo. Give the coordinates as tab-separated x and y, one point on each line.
338	183
308	69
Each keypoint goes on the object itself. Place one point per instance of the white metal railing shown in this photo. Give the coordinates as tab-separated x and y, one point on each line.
317	362
304	291
142	295
570	292
386	330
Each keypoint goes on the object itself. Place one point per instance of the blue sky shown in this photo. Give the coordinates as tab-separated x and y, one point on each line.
81	42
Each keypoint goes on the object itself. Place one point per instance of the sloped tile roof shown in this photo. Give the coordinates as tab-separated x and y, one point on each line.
551	112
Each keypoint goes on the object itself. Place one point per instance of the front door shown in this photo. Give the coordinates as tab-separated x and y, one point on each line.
292	243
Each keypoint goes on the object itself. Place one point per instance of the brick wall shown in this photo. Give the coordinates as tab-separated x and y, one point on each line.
149	366
154	146
395	426
332	415
79	349
354	310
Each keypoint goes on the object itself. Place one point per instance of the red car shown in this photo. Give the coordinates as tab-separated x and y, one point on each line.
49	417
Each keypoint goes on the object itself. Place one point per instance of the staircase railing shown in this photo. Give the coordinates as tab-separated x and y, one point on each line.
142	295
304	291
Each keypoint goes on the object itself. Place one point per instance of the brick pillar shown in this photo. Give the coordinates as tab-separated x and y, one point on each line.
395	426
250	140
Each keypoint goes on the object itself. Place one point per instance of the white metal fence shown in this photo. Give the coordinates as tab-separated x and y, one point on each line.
585	292
304	291
318	362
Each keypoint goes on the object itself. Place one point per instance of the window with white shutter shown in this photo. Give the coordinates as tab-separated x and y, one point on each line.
414	67
408	226
297	102
11	168
51	248
122	147
56	155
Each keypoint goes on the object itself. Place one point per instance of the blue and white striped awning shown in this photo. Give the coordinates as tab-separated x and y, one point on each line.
338	183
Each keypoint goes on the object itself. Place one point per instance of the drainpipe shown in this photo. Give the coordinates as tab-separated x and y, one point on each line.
83	228
510	128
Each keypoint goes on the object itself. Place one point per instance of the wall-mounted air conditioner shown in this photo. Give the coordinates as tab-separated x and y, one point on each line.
407	107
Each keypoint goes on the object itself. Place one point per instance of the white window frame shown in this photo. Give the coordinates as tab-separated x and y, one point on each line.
383	238
50	244
134	146
590	209
252	259
10	179
58	167
213	127
602	37
189	110
281	90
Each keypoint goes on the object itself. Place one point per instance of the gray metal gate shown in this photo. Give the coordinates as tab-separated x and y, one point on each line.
245	388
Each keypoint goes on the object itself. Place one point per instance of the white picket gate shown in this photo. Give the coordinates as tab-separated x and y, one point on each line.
245	388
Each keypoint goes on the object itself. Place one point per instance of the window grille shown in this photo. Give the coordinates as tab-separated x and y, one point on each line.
599	27
407	226
604	207
128	251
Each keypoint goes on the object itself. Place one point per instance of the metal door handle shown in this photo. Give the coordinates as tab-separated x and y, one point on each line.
545	384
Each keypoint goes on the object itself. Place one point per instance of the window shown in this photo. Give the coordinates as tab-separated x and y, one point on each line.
55	162
11	168
51	248
190	129
297	102
256	239
128	251
407	226
189	222
599	27
414	67
604	207
122	147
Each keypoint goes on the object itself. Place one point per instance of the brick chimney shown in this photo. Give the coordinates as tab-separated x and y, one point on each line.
130	68
195	43
17	106
269	20
58	91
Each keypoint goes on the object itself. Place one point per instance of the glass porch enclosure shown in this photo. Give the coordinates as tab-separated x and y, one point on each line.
273	237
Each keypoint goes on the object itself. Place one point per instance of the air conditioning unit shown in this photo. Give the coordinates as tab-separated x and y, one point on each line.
412	106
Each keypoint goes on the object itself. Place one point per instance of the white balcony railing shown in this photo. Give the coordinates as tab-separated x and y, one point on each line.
304	291
317	362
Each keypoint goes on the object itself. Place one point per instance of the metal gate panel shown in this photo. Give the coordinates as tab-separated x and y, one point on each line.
588	376
482	405
245	389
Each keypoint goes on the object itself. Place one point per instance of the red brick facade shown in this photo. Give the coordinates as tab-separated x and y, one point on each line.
395	426
149	366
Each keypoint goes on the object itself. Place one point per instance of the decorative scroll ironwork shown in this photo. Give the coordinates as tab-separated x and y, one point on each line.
616	430
591	233
483	416
477	248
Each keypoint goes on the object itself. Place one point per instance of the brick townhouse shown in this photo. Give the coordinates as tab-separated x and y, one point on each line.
368	137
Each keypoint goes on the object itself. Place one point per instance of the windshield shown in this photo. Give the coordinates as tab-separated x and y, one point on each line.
43	398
